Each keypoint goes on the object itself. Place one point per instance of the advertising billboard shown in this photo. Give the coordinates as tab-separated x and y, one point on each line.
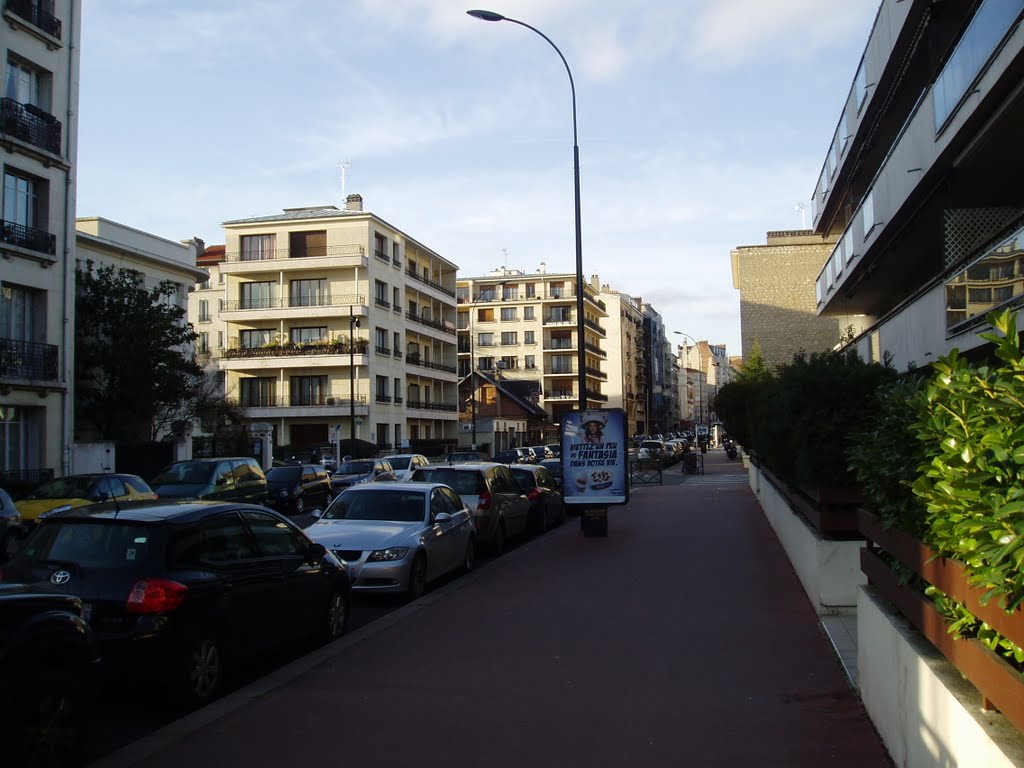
595	462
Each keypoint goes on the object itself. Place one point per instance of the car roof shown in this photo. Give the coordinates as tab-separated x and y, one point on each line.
152	511
94	475
402	455
397	486
468	466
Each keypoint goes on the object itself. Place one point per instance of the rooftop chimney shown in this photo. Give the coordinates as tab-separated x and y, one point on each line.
354	203
543	268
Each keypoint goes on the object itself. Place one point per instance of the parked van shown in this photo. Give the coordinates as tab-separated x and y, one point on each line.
234	478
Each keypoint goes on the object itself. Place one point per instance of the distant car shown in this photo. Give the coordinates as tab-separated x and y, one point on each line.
499	506
555	448
540	452
546	506
328	458
49	668
179	593
405	463
397	537
554	466
515	456
227	478
462	457
292	489
356	471
81	490
11	532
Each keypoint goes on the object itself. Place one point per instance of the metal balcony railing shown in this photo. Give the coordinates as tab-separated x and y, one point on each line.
416	276
274	254
295	350
594	326
288	302
28	360
445	327
382	255
31	124
28	237
382	302
32	13
415	360
303	401
424	406
383	350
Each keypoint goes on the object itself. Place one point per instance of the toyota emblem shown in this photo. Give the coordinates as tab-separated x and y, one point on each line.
60	577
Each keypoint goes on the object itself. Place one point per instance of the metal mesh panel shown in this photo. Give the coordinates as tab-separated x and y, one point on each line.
968	229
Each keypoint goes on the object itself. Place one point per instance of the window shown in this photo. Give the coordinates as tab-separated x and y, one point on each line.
308	390
485	340
509	314
257	247
382	389
487	294
308	293
28	85
204	310
528	313
396	299
510	292
396	389
529	337
531	290
561	364
274	537
531	362
397	345
256	392
509	338
395	254
380	336
22	200
380	294
257	295
860	85
556	290
485	363
485	315
307	244
462	294
380	246
256	338
203	343
22	313
867	209
308	335
509	362
220	339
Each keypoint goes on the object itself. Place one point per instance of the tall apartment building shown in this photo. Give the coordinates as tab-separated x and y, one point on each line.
920	186
297	287
38	140
627	357
526	326
204	306
660	393
707	369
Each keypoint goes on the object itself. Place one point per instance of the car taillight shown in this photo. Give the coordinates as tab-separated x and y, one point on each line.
155	596
534	494
484	502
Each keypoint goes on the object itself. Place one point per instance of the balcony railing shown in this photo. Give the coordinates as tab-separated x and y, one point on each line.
272	254
381	398
383	350
558	370
28	237
558	320
445	327
560	344
595	349
415	360
304	401
31	124
294	350
382	255
424	406
28	360
595	372
416	276
382	302
36	16
397	354
289	302
591	324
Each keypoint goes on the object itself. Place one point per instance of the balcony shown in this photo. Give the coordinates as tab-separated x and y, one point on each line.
290	302
420	278
559	319
381	302
329	406
424	406
596	349
559	370
560	344
596	373
281	254
382	255
382	398
289	349
385	351
28	237
36	16
444	327
28	360
30	124
414	359
594	326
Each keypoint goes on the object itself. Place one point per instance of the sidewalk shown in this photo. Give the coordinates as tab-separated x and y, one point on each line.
681	639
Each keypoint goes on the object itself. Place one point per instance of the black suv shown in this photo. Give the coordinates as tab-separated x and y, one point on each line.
292	488
48	671
180	593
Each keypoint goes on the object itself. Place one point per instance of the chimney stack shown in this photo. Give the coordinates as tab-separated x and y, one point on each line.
354	203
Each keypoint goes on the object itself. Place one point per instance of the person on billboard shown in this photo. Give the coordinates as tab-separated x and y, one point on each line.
593	423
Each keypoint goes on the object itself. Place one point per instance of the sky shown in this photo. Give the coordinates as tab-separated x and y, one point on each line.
702	125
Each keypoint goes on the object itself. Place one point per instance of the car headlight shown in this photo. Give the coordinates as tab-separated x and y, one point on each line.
387	555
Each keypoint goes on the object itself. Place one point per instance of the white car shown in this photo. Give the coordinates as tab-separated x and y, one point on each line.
405	464
397	537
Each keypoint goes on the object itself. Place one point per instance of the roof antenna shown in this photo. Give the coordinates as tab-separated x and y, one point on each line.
801	209
345	165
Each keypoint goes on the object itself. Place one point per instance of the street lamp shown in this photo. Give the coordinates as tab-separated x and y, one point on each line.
353	323
581	355
699	410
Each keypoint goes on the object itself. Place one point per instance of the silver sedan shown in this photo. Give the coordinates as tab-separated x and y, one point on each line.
398	537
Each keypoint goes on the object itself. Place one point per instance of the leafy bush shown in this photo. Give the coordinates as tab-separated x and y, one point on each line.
973	484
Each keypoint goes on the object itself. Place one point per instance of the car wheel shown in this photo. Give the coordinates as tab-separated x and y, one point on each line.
337	617
300	505
48	719
202	669
417	577
498	542
10	543
469	558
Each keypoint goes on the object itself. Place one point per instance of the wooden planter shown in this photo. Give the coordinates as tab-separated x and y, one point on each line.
832	511
999	683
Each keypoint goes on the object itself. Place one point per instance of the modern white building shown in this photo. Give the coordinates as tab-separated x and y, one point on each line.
38	144
627	357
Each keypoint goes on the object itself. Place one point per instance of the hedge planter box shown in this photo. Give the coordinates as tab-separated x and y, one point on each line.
828	566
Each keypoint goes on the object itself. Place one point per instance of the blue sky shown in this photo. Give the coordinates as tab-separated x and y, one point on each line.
702	124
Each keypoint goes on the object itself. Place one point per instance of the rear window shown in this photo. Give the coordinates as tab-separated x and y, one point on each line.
525	478
400	462
186	473
94	543
284	474
463	483
355	468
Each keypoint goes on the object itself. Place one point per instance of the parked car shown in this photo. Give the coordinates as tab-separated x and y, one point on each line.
544	493
80	490
397	537
540	452
11	532
555	448
656	448
554	466
405	463
499	506
49	668
328	458
291	489
231	478
462	457
515	456
181	593
356	471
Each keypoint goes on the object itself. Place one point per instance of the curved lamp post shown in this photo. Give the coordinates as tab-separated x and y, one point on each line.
700	389
581	355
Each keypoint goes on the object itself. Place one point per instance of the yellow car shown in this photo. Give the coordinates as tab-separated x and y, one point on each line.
82	490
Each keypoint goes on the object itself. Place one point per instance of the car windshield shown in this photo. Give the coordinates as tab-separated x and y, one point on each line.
93	544
186	473
400	462
355	468
525	478
463	483
284	474
64	488
393	506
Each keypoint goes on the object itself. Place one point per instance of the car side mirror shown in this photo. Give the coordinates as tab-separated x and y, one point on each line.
316	552
316	513
442	517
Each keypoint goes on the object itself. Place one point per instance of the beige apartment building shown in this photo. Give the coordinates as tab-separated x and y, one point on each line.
38	143
627	357
335	322
526	326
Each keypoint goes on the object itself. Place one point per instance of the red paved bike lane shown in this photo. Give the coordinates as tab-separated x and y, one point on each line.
681	639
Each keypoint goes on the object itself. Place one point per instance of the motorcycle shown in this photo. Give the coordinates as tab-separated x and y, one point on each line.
730	450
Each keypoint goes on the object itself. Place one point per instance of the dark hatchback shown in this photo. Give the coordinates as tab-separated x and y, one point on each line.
182	593
294	488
